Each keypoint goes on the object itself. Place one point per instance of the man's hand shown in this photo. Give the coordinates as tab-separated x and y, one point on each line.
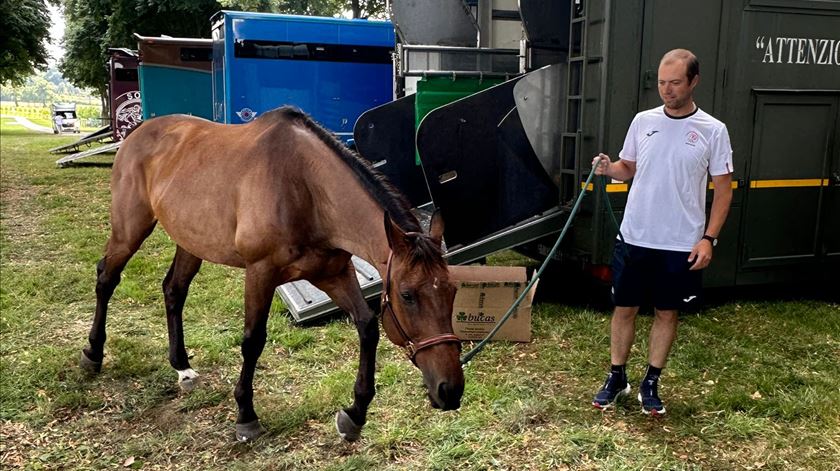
602	163
701	255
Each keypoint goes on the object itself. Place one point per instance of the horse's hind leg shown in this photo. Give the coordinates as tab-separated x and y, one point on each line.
128	231
175	287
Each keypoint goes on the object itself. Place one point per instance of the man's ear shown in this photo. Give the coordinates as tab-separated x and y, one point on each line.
436	227
396	237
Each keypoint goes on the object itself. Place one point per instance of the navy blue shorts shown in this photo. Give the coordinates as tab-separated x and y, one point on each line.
643	276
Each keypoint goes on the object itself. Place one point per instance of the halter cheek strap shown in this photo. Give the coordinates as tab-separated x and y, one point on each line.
411	347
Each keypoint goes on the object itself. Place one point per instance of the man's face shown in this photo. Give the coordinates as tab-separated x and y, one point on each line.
674	88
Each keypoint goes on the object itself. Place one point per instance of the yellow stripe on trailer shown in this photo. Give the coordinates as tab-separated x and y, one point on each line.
802	182
734	185
611	187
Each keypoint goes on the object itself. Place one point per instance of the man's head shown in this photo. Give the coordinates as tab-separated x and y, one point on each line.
679	73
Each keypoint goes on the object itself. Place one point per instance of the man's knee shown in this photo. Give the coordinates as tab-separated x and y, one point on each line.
625	313
666	315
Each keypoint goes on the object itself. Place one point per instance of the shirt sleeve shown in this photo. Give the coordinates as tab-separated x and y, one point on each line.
630	149
720	161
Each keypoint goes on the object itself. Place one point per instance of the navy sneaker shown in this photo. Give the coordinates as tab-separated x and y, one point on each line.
613	388
649	398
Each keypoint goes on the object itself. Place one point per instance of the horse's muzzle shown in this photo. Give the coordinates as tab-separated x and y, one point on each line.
446	396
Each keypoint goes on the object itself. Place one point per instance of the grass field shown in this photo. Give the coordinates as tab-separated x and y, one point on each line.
752	383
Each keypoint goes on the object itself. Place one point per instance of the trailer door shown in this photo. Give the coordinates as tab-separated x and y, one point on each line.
687	24
791	205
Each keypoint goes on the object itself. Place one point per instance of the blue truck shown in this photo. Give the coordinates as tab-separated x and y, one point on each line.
333	69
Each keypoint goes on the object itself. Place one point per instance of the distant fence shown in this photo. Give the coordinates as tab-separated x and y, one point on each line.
90	114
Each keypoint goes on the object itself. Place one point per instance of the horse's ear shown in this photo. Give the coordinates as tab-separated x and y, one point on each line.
436	227
396	236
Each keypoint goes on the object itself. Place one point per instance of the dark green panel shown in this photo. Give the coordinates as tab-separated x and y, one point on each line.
780	225
831	221
791	137
687	24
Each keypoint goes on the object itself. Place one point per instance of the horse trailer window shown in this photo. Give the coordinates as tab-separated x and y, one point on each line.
196	54
311	51
125	75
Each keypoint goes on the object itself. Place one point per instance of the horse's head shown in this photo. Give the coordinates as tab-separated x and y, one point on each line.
417	310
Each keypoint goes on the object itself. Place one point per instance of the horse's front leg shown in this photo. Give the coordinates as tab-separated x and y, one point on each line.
260	280
345	292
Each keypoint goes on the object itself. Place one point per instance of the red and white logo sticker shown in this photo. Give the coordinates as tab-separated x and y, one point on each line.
692	137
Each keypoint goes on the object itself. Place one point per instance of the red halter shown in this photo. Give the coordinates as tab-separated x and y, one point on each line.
411	347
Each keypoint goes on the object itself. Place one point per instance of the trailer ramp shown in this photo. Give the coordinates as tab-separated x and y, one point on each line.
106	149
99	135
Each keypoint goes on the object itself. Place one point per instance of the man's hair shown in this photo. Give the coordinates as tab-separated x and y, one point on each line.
692	65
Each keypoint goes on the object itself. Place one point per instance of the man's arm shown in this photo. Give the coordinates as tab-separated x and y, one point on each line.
721	201
621	170
701	254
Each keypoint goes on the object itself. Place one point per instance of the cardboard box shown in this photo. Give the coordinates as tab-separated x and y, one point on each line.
484	296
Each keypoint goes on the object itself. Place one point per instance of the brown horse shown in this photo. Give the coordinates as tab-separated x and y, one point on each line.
282	198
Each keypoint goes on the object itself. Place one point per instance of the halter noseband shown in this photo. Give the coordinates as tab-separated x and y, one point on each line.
411	347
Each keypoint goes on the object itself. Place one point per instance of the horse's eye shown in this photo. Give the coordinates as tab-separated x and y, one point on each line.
407	298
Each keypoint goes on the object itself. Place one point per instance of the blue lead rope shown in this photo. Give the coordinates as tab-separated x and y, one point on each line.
469	355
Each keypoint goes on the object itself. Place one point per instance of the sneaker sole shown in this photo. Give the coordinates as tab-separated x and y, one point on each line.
624	392
652	412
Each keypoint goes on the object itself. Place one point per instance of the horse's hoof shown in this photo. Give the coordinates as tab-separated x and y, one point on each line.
346	427
249	431
88	365
188	380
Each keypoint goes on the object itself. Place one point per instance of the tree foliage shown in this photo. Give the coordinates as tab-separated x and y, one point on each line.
94	26
24	29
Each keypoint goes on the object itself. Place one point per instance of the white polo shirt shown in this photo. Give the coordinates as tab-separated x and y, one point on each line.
666	206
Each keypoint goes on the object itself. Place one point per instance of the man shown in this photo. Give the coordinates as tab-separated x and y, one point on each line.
59	121
668	152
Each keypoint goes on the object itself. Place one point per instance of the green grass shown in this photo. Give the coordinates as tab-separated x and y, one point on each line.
750	384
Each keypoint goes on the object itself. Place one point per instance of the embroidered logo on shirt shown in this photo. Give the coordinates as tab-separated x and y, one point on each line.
691	138
652	133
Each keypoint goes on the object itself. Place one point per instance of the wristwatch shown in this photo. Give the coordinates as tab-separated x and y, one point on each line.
711	239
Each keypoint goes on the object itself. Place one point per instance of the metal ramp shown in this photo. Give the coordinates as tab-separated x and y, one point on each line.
306	302
99	135
107	148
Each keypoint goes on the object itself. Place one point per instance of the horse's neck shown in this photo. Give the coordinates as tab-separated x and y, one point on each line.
365	239
358	222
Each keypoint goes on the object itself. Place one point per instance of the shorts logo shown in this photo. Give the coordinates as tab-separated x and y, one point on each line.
691	138
688	299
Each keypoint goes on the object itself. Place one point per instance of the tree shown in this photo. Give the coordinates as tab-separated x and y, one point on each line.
24	28
94	26
367	8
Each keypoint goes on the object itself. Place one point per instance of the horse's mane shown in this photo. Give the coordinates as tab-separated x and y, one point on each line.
374	182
